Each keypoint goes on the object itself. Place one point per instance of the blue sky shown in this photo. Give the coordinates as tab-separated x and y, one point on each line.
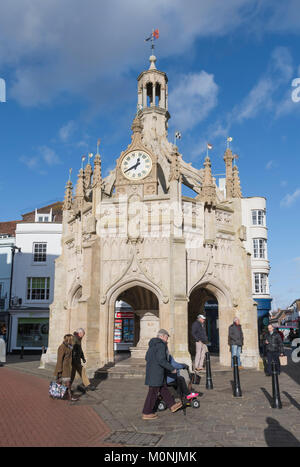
70	69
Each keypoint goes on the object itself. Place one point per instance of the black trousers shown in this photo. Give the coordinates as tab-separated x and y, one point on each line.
273	356
182	386
152	398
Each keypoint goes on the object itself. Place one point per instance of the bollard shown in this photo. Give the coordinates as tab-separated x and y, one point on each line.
209	383
237	392
22	352
42	361
275	388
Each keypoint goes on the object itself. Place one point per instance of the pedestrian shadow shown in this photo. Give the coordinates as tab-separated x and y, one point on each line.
268	396
292	400
277	436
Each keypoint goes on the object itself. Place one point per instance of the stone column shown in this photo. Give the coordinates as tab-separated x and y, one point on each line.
144	96
153	94
149	326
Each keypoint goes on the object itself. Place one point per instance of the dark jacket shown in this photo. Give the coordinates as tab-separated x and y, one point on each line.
157	363
235	335
78	354
64	361
199	332
275	343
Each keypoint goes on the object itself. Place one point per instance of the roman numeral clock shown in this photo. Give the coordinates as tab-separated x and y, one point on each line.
136	170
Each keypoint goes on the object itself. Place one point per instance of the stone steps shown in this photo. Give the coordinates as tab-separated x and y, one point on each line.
136	368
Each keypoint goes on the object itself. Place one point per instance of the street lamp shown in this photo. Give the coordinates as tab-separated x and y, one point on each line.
13	250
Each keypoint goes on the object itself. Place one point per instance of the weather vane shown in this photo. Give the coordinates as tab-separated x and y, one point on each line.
154	35
98	144
229	139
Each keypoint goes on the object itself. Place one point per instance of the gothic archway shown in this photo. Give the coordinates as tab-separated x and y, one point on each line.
202	301
137	323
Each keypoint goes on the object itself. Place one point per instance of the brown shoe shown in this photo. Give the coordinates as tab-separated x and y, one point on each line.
150	416
176	407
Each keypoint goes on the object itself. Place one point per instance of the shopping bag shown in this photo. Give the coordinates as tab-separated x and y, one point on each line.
57	390
283	360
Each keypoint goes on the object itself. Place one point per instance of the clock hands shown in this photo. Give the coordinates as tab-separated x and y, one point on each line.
134	166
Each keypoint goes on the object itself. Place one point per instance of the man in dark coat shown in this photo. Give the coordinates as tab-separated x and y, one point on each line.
199	334
274	348
236	340
156	368
77	356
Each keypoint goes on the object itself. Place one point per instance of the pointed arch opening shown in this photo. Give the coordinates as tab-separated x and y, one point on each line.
136	321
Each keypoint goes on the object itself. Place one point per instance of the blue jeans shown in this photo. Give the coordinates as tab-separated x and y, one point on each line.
236	350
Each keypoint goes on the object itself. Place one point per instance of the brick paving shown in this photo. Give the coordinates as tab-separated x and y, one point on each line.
221	420
30	418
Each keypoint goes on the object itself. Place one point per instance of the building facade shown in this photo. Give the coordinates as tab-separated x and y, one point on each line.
255	220
38	239
134	237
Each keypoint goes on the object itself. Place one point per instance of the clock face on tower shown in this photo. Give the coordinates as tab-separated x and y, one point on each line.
136	165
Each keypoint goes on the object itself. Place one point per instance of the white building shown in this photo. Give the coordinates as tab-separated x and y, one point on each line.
38	237
254	219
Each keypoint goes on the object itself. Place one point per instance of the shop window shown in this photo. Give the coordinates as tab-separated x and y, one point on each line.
32	332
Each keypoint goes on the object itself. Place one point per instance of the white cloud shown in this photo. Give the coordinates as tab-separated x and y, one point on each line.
263	95
66	131
87	48
46	157
49	156
271	164
192	99
288	200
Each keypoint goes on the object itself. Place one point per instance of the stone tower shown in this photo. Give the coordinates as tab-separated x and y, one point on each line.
133	236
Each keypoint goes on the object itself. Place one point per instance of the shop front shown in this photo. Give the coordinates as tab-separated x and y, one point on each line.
29	330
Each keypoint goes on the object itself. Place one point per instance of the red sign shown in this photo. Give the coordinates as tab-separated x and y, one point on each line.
124	314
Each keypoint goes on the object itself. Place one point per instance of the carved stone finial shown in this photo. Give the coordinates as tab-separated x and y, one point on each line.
97	176
88	171
80	184
208	191
236	185
68	196
175	167
228	158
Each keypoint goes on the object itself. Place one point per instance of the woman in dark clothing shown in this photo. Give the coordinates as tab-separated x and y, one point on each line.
274	348
63	369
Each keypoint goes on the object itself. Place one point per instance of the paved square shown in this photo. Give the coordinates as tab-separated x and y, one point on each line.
113	412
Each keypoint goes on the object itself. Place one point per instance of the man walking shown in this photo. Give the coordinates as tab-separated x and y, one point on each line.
274	348
156	367
77	356
236	340
199	334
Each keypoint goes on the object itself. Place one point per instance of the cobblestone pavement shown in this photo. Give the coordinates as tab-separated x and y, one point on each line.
221	420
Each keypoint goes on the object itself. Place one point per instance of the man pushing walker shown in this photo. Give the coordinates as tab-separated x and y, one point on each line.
156	368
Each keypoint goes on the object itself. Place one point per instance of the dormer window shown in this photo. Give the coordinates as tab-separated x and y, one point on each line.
41	217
